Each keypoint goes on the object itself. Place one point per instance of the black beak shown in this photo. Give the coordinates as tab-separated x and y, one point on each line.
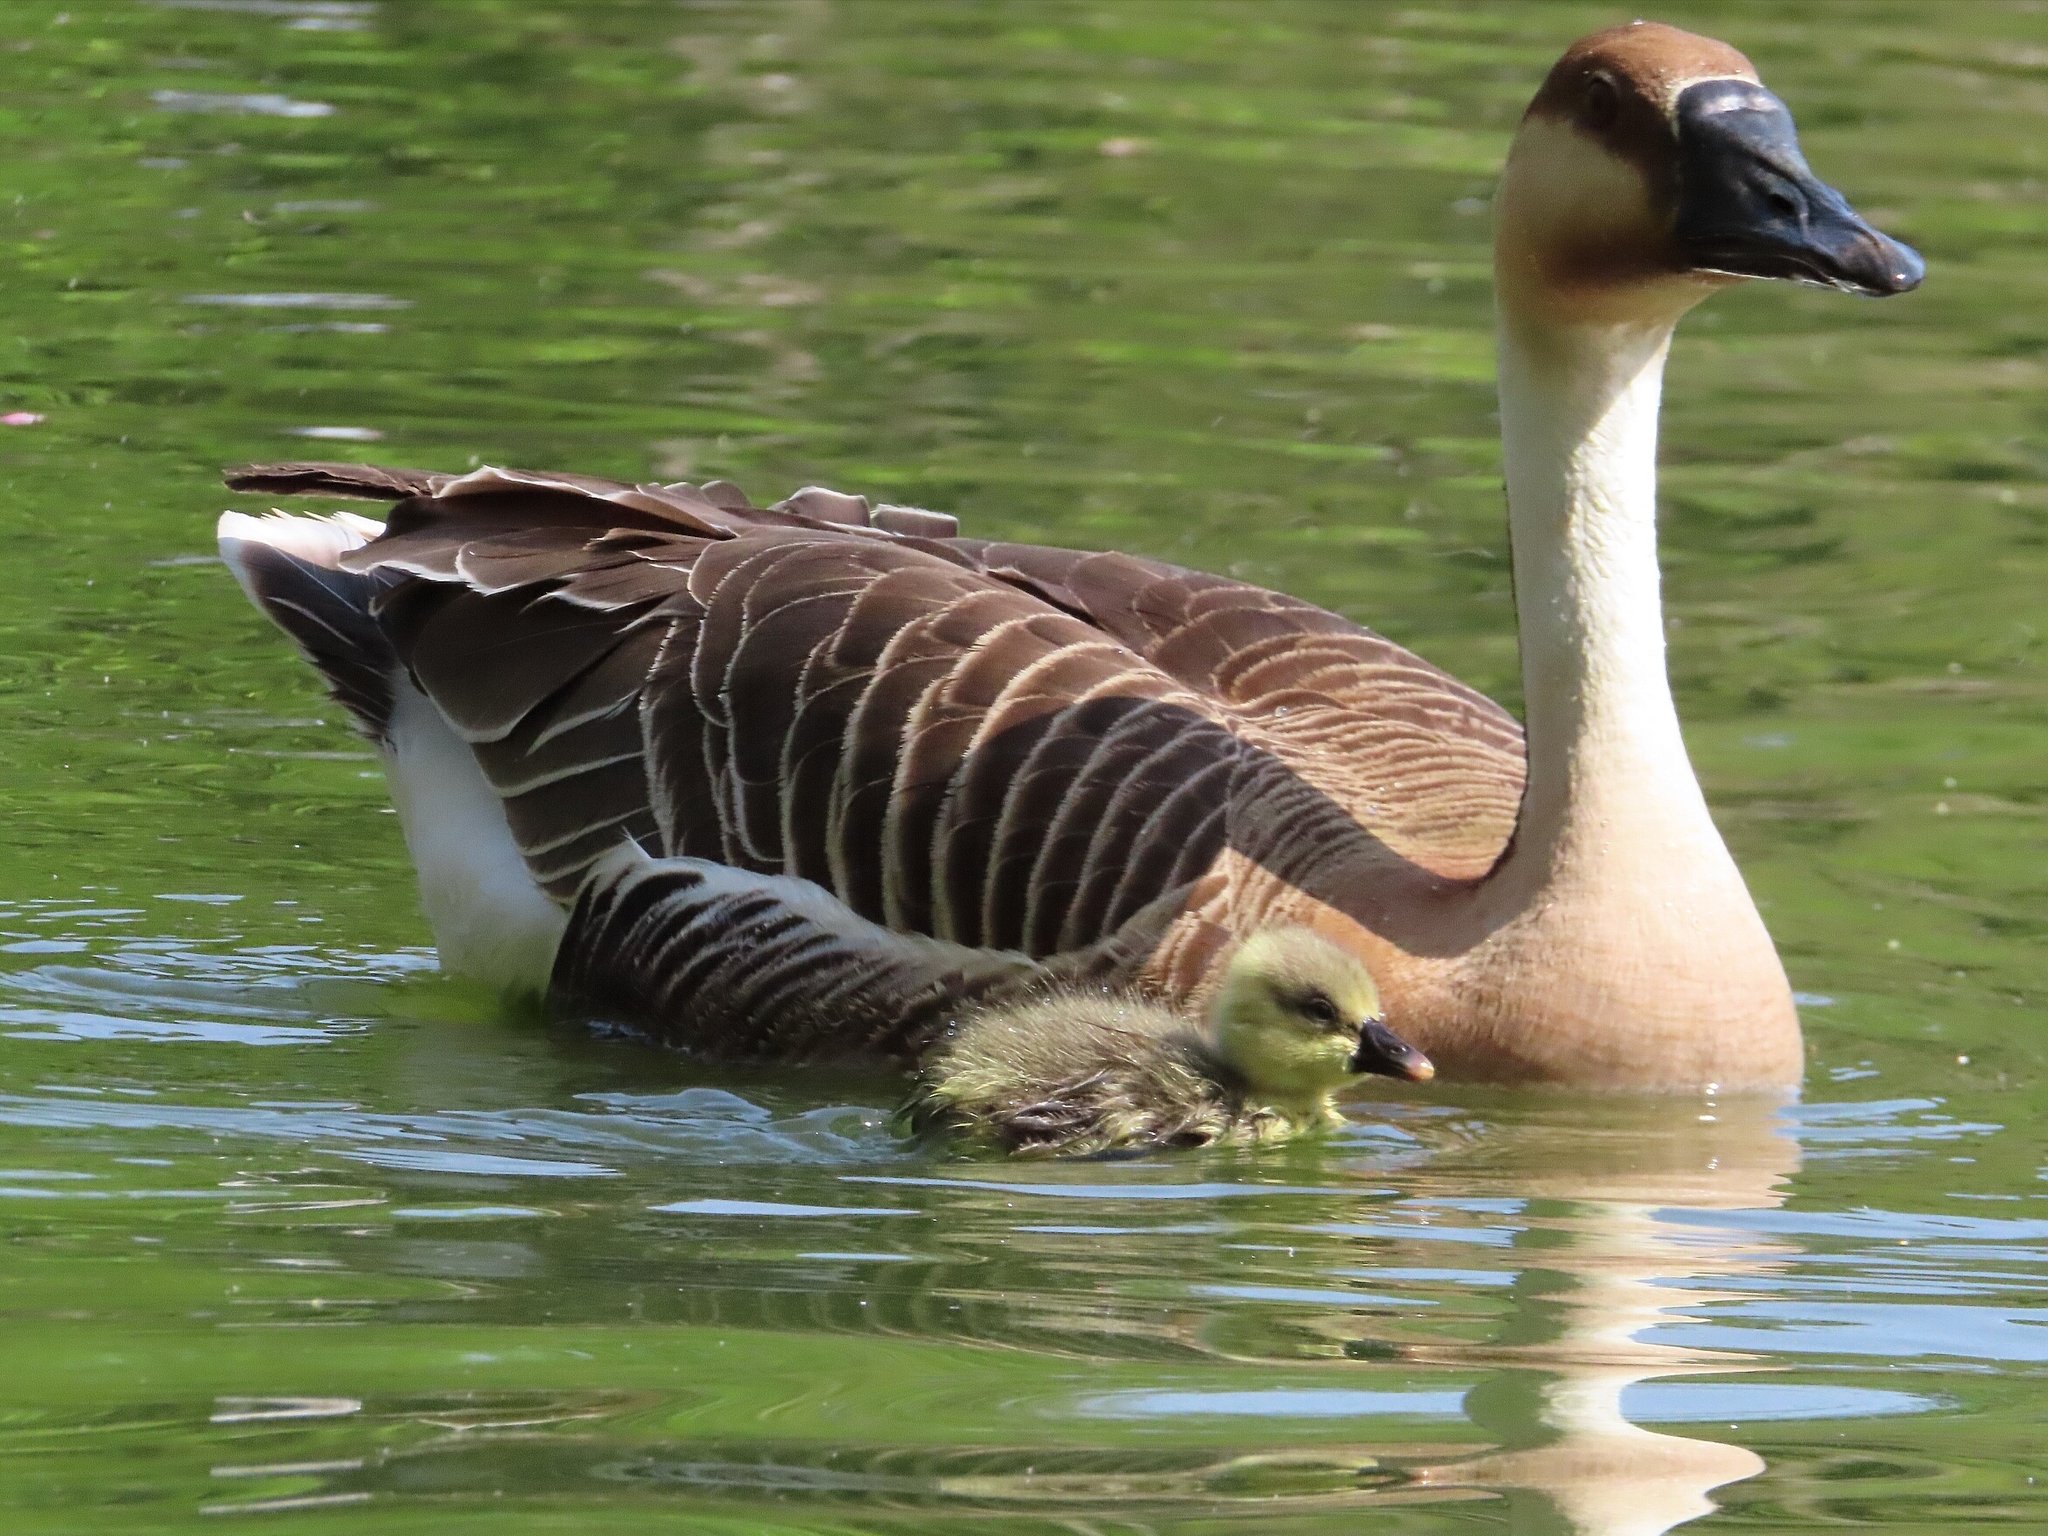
1749	206
1386	1054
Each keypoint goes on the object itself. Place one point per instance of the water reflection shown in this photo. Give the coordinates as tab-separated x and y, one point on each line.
1489	1306
1614	1255
1488	1302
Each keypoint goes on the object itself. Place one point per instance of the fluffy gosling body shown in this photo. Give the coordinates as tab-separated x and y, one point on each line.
1070	1073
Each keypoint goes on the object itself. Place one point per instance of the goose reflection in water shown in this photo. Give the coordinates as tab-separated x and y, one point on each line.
1609	1191
1615	1208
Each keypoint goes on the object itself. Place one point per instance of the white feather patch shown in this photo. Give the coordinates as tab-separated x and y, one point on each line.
318	541
490	919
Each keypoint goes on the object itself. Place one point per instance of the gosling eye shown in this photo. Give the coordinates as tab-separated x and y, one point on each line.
1320	1011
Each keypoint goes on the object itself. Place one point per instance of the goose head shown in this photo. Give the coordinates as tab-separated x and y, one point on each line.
1297	1016
1653	168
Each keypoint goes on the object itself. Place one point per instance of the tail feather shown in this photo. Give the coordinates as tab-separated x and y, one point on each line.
289	568
372	482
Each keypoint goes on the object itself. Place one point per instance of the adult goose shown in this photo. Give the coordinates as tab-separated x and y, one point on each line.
799	779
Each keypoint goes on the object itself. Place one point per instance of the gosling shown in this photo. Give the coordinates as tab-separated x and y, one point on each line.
1073	1074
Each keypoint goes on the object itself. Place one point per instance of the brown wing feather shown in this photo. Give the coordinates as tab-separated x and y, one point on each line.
371	482
998	745
1431	767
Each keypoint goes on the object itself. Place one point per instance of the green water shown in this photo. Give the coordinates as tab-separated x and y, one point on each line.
294	1231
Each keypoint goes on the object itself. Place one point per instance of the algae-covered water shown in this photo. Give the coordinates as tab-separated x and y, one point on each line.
298	1235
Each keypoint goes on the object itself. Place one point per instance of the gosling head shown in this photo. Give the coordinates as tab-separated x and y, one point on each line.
1652	168
1296	1016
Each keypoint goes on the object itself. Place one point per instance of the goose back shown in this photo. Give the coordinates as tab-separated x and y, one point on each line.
1005	747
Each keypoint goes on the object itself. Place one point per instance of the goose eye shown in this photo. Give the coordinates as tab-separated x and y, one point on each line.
1603	102
1319	1010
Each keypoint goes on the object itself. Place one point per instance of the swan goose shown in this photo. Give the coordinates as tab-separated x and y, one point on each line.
795	780
1067	1073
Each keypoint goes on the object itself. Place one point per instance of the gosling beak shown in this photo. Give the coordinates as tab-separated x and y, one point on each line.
1386	1054
1749	206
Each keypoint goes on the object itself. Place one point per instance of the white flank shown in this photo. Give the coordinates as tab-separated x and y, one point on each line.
490	919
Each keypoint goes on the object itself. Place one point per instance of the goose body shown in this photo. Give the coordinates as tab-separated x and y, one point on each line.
1069	1072
791	780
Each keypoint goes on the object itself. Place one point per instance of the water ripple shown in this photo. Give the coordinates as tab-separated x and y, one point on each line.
249	104
534	1143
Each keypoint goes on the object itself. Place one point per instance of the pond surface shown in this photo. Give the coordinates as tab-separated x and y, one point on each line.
298	1232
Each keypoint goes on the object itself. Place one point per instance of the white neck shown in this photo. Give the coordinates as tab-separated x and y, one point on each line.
1618	918
1608	770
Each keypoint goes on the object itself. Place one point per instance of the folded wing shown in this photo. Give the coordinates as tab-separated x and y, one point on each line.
1005	748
